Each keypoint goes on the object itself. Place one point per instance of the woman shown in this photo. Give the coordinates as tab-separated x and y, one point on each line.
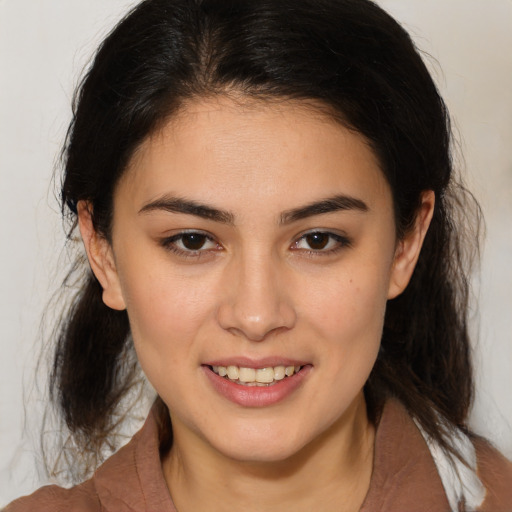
266	198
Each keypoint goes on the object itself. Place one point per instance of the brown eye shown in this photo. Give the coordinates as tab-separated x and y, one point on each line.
190	243
193	241
317	241
321	242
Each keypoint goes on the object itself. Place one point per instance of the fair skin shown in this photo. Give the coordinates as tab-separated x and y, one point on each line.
220	261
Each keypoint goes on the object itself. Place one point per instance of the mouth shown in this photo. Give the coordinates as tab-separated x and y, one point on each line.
260	383
261	377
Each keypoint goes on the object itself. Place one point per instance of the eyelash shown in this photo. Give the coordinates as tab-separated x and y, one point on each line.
341	242
170	244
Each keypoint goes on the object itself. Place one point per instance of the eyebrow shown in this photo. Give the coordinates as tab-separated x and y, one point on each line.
180	205
174	204
329	205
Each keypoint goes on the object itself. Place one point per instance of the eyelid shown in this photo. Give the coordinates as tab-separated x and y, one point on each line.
343	242
169	243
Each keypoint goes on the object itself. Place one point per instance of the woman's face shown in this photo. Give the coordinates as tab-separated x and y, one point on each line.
259	240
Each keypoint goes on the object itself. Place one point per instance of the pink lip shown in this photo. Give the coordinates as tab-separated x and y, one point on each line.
256	396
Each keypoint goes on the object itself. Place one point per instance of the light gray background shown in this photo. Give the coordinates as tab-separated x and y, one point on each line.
43	48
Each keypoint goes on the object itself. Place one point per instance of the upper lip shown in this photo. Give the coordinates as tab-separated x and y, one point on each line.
264	362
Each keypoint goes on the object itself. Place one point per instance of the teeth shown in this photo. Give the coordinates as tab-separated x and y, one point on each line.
264	375
279	373
254	377
246	375
232	372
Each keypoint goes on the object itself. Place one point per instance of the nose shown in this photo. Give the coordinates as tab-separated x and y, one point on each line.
255	303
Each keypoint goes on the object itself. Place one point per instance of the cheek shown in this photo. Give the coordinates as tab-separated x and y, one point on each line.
348	310
166	311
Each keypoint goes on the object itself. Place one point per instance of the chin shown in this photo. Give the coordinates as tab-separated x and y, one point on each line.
264	442
257	451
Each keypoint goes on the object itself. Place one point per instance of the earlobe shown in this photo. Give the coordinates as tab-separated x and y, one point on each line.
409	247
101	258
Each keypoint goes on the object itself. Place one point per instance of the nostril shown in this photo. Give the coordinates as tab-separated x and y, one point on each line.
255	320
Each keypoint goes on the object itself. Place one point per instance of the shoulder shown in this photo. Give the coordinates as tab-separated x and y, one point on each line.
52	498
495	471
131	480
404	476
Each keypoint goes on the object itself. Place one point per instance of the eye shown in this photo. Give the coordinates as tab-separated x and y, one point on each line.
321	242
190	243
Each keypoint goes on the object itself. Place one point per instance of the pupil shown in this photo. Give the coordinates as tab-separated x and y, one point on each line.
317	240
193	241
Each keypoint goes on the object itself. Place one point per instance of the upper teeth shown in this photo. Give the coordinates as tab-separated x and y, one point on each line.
260	375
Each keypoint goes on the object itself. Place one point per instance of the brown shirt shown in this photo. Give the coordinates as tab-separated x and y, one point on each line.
404	477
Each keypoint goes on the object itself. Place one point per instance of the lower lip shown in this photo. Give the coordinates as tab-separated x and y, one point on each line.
256	396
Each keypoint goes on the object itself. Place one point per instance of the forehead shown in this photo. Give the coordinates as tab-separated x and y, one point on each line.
232	151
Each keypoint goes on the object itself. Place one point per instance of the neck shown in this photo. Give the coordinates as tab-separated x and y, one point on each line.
331	473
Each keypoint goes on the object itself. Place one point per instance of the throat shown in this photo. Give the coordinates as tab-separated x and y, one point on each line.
331	474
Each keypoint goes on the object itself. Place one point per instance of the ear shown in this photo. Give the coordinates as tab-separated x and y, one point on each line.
409	247
101	258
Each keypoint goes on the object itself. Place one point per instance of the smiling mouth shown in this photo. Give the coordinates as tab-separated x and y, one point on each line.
256	376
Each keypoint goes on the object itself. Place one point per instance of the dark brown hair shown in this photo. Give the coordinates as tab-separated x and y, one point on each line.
351	57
